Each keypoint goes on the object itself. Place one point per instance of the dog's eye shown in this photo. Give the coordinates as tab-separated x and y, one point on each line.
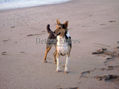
59	33
59	27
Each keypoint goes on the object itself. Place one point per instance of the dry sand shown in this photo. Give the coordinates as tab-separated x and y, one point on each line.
95	23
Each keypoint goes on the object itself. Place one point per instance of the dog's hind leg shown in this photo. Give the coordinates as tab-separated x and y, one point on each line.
55	53
46	52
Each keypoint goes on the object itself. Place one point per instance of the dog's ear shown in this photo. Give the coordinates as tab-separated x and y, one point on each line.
58	22
66	24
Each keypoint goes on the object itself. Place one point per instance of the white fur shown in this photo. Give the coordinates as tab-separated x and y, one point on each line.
68	35
67	63
62	48
58	65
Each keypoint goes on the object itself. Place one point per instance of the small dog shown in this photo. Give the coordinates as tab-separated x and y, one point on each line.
61	39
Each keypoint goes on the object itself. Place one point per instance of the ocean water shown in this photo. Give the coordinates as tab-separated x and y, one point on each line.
12	4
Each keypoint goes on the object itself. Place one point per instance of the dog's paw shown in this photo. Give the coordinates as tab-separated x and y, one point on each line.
45	61
58	70
55	62
66	72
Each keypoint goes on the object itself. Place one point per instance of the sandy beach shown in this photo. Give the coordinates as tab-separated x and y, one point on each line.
93	26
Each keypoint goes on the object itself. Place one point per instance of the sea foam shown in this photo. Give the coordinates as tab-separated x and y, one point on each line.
12	4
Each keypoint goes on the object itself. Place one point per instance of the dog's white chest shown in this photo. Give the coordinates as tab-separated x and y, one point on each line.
62	45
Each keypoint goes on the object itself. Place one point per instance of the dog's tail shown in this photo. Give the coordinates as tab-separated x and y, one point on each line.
48	29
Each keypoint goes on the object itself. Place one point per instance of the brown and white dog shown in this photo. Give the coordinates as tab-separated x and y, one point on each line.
61	39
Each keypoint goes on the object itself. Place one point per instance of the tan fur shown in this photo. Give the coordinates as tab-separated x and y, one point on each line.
62	33
46	52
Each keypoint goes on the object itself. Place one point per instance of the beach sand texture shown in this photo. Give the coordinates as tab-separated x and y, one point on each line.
93	24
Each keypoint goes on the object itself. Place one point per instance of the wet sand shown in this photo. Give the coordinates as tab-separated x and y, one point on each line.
93	25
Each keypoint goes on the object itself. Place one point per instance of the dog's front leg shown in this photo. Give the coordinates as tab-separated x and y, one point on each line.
58	63
66	64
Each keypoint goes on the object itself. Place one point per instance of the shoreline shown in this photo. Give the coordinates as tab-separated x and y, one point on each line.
19	8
